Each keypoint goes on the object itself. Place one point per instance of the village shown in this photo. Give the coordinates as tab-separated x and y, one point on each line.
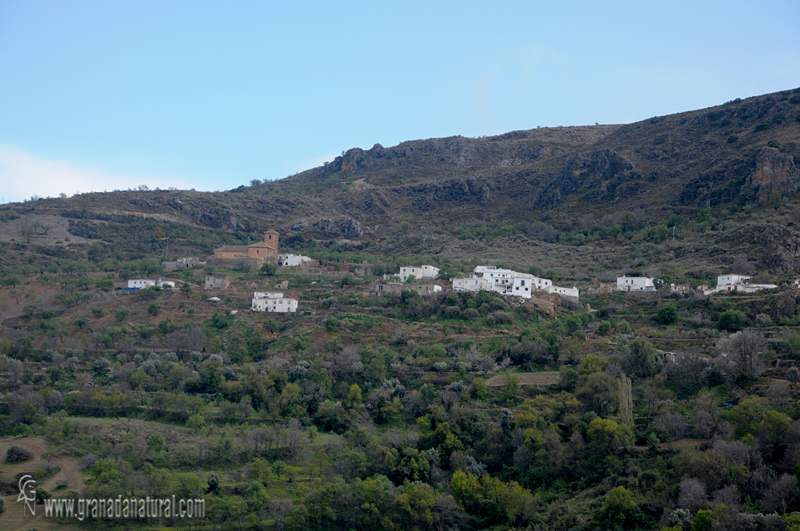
424	279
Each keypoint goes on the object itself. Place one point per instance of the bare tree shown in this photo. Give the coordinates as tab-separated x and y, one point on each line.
743	349
348	363
691	494
625	400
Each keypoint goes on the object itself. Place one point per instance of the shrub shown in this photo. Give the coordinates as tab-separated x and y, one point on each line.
668	314
453	312
17	454
731	321
470	314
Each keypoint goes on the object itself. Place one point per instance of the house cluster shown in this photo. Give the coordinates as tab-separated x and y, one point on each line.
508	282
144	283
272	301
724	283
737	283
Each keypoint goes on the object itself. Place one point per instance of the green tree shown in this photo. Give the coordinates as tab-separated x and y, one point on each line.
608	435
122	313
620	509
153	309
268	269
668	314
640	360
732	321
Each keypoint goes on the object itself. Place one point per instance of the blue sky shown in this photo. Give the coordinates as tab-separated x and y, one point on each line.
98	95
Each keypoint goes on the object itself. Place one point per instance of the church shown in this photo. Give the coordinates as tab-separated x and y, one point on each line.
266	251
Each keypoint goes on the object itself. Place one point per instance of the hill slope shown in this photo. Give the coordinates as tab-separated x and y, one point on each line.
705	177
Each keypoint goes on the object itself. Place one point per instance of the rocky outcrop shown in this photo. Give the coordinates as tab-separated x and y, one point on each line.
428	197
598	174
775	175
779	246
351	229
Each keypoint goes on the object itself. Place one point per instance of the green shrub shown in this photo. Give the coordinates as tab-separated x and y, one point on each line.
668	314
732	321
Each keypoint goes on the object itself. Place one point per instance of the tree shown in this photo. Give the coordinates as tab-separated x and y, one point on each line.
668	314
641	358
153	309
732	321
12	281
625	400
609	436
743	350
662	283
598	393
620	509
268	269
122	313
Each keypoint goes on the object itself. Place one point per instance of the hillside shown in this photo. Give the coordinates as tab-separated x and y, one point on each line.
529	196
669	410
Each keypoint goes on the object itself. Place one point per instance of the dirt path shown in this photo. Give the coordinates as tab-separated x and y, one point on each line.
69	471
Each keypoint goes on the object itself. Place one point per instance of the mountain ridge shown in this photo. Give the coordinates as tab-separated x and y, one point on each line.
741	155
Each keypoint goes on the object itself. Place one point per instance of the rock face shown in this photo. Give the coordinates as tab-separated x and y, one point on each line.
599	174
351	229
779	246
775	175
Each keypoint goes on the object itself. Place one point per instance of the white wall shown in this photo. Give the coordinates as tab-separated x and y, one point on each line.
274	305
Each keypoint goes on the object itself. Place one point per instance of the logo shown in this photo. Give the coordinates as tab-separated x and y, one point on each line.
27	493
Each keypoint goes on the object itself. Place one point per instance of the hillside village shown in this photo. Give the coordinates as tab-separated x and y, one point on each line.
425	280
405	348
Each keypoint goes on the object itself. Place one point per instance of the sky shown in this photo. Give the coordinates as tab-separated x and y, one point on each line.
209	95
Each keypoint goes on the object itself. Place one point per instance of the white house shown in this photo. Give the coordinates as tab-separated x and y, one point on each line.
635	284
264	301
506	281
565	292
737	283
732	280
419	272
141	283
292	260
267	295
471	284
510	282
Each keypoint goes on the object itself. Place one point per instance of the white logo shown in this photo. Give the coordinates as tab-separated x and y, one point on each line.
27	493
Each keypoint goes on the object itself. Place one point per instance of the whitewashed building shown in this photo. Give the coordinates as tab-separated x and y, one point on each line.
267	295
264	301
635	284
292	260
732	280
565	292
419	272
141	283
144	283
737	283
508	282
471	284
